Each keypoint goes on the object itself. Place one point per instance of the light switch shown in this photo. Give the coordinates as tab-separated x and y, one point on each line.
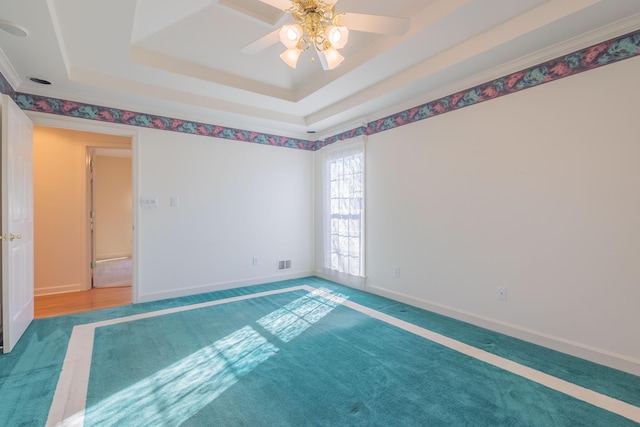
174	201
149	202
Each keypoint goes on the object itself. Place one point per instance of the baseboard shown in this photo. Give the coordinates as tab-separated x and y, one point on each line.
176	293
57	289
113	255
596	355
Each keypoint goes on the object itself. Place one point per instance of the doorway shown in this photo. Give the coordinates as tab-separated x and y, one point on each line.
64	248
110	182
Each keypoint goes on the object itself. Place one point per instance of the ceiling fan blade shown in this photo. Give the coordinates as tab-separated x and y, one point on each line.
279	4
262	43
375	23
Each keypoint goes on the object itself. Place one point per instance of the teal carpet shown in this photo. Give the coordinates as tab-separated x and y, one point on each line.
292	359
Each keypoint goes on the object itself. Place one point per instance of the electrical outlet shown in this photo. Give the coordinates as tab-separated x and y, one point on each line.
396	271
501	292
254	260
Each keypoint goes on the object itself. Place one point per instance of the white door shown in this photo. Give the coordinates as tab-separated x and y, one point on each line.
17	223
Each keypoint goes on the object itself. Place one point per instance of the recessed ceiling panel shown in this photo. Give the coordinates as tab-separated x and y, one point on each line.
184	58
152	16
255	9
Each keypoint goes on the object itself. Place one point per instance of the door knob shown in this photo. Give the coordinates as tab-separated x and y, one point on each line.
12	236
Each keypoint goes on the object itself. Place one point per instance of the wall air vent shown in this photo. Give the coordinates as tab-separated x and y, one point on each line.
284	265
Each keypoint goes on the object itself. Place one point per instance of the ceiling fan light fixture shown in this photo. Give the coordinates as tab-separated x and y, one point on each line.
317	25
330	58
337	36
291	56
290	35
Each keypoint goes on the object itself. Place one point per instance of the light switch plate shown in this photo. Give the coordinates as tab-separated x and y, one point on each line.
149	202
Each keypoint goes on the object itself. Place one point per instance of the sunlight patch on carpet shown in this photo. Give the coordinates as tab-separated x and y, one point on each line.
172	395
297	316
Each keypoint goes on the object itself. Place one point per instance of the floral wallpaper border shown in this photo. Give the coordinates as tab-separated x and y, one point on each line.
601	54
113	115
5	87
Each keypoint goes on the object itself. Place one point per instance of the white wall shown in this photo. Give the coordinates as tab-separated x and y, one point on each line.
236	201
536	192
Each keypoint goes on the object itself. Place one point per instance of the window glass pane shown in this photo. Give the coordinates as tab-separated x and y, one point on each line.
354	247
345	204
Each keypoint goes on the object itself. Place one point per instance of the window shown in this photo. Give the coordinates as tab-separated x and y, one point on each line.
344	208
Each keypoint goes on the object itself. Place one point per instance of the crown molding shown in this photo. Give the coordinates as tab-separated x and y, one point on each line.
575	44
583	41
9	72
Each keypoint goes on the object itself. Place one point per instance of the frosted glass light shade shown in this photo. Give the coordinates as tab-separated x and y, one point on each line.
290	35
337	36
291	56
330	58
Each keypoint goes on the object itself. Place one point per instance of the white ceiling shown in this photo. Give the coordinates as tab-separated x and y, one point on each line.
183	58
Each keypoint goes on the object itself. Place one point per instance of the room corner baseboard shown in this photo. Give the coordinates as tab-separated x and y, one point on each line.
176	293
75	287
592	354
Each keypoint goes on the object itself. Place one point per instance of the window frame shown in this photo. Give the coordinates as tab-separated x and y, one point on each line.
331	154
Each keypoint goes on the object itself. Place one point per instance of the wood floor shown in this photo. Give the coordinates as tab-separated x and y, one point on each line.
75	302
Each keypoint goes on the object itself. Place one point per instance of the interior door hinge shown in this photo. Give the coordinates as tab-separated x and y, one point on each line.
93	264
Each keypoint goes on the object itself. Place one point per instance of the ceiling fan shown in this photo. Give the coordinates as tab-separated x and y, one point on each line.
318	26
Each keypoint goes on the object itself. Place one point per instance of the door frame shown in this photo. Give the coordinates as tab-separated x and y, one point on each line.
90	158
83	125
